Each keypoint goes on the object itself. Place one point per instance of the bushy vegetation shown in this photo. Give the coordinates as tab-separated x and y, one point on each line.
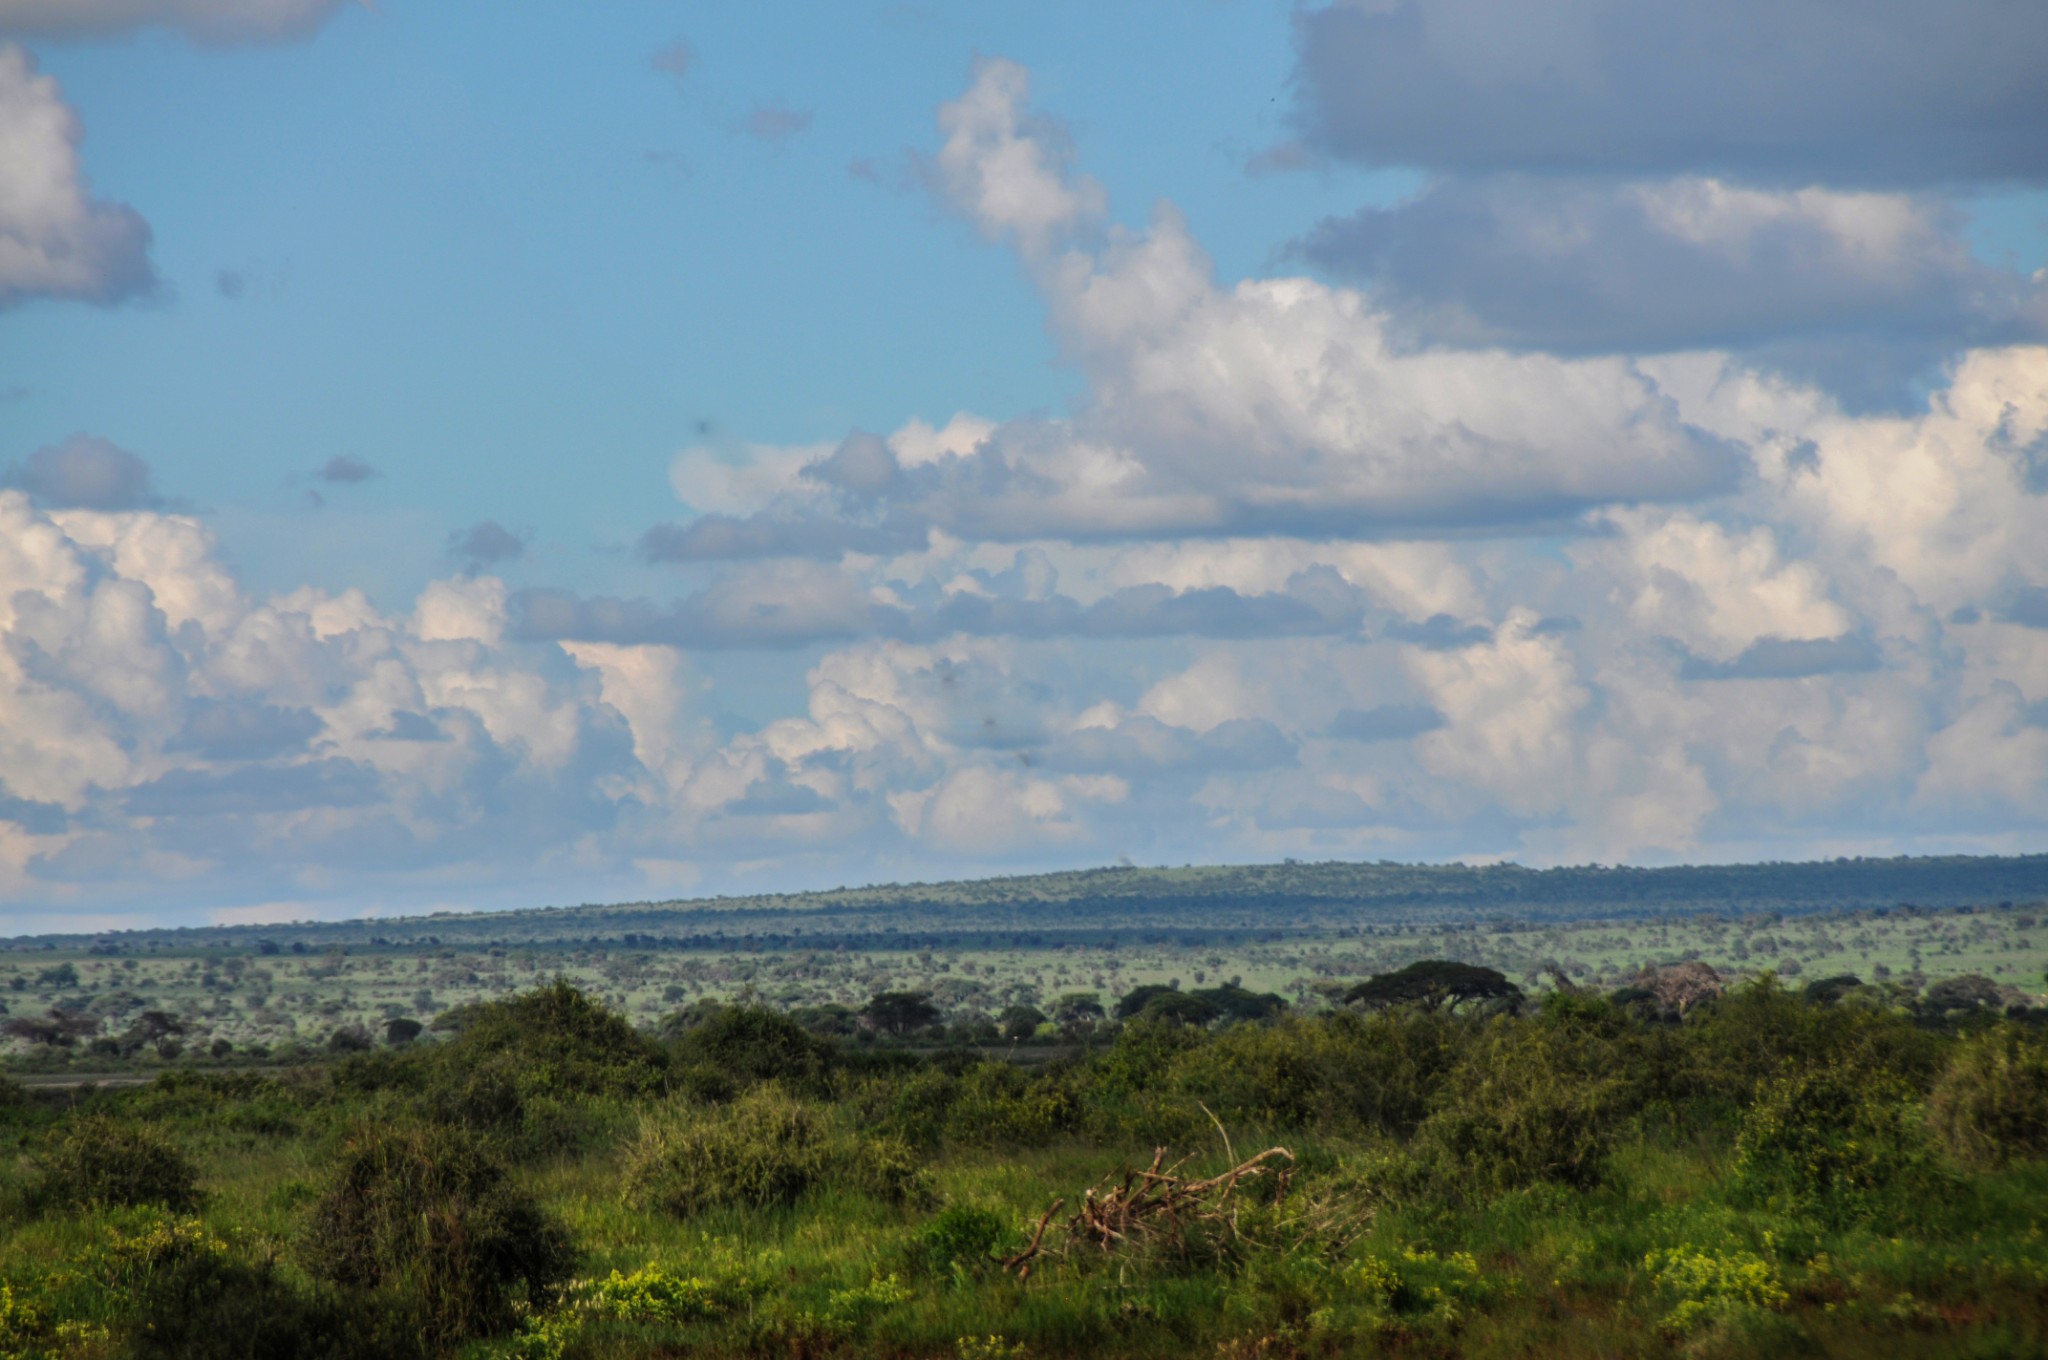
429	1217
1452	1166
98	1161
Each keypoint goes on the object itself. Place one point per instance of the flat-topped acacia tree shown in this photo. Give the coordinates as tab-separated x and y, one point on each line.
1434	984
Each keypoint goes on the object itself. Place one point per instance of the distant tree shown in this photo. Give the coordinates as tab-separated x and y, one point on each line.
1969	992
402	1030
1828	990
900	1012
1681	986
56	1030
1182	1008
64	975
1020	1021
1236	1003
1433	983
1078	1011
151	1026
830	1018
349	1039
1138	998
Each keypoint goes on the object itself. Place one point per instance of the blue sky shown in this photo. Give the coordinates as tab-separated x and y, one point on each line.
459	457
474	253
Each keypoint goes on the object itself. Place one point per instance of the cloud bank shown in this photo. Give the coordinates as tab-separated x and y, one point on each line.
1283	581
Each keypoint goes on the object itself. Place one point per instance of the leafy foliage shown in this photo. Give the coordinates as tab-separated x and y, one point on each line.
1832	1141
100	1162
1527	1102
750	1043
426	1212
1991	1105
555	1040
767	1148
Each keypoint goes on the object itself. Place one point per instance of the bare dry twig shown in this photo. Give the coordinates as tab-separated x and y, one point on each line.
1157	1202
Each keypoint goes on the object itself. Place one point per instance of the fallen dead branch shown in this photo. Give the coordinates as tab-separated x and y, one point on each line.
1157	1204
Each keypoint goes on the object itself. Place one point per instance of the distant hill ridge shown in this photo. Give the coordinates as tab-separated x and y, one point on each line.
1235	899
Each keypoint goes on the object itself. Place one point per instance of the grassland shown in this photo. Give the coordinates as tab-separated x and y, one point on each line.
708	1129
1767	1173
1295	930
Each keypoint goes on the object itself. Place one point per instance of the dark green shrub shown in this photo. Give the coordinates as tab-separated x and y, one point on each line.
998	1105
751	1044
1748	1036
1529	1101
1143	1051
96	1161
1020	1022
350	1039
767	1148
963	1235
1991	1105
189	1299
556	1041
1834	1143
1134	1002
1180	1008
1344	1071
362	1073
882	1168
1236	1003
912	1105
426	1215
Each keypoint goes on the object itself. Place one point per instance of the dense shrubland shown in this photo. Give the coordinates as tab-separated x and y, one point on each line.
1440	1167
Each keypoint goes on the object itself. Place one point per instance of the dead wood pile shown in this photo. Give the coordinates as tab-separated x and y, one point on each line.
1155	1206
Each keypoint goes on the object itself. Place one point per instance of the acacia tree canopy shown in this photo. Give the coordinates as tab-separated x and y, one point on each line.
900	1012
1433	983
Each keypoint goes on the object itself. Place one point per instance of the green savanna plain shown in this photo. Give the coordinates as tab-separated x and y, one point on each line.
683	1129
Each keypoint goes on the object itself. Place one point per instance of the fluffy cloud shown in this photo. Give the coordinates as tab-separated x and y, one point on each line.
1009	170
56	240
1277	406
1773	89
207	21
1280	583
152	715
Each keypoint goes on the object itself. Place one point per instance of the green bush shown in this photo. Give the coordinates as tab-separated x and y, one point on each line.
999	1106
749	1044
190	1298
912	1105
96	1161
767	1148
556	1041
1739	1041
1991	1104
1343	1071
963	1235
1834	1143
1529	1101
427	1215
